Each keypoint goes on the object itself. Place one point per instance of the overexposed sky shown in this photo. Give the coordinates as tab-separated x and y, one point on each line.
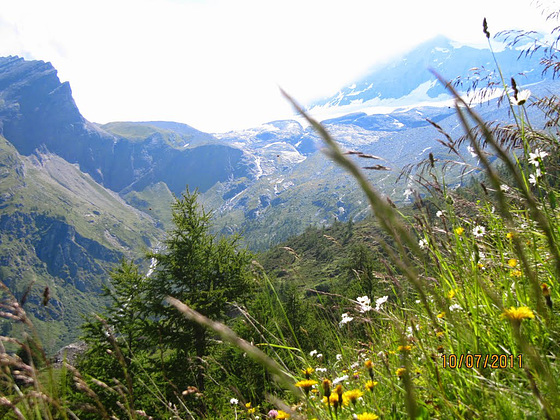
217	64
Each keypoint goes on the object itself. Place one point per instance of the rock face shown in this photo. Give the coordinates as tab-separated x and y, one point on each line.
37	111
69	354
71	256
65	254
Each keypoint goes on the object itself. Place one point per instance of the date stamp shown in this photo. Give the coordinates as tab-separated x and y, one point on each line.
482	361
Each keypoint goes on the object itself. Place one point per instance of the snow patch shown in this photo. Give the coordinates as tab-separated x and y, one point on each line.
258	169
415	99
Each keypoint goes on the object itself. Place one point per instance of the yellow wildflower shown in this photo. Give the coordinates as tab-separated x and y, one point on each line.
509	235
518	314
441	315
370	385
451	294
369	366
546	294
331	399
400	372
307	372
459	231
512	262
351	396
306	384
338	389
367	416
404	348
515	273
282	415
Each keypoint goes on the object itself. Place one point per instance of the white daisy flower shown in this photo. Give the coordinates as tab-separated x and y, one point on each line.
521	97
409	332
379	302
439	213
364	303
534	158
345	319
234	401
538	173
423	243
479	231
363	300
533	179
340	379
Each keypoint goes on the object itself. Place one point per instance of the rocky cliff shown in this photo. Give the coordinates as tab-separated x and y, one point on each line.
38	111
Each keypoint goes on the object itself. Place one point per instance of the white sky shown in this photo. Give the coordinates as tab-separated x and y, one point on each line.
217	64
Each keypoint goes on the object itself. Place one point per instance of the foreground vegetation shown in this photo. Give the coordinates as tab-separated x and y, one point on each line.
447	309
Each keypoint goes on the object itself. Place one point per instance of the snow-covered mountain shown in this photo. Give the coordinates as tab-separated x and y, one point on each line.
409	81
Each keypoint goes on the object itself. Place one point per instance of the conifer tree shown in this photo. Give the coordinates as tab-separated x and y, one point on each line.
201	270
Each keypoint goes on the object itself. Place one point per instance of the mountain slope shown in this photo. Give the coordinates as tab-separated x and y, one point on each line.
286	197
62	230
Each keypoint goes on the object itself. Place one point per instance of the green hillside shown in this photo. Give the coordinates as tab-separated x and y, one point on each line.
62	230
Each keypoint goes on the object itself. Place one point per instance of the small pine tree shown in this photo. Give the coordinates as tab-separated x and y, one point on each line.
123	315
200	269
